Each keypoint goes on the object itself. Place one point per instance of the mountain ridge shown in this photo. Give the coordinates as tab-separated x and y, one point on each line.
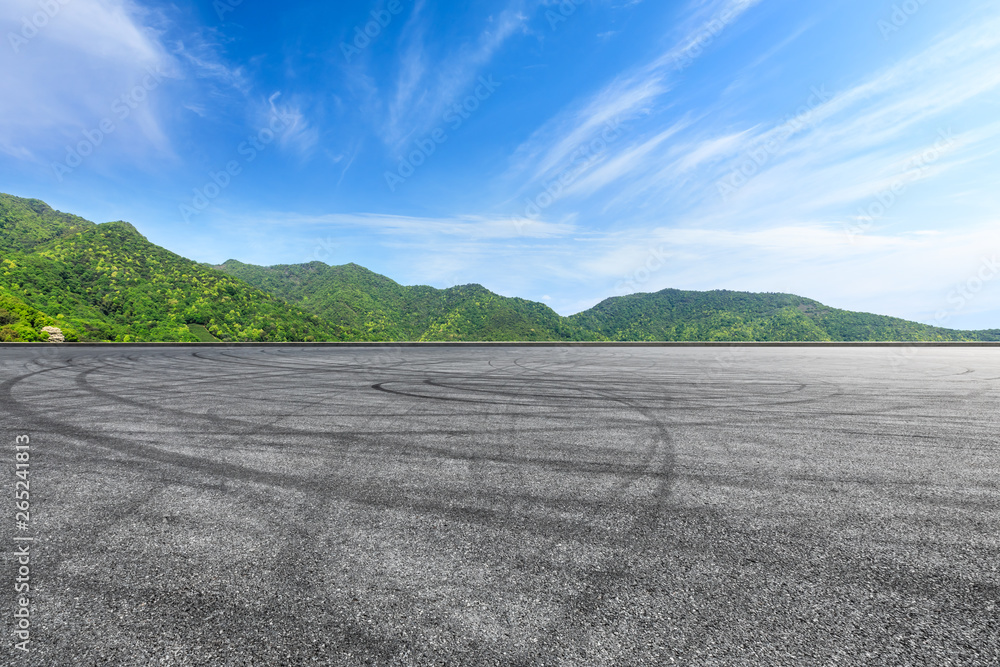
378	308
108	282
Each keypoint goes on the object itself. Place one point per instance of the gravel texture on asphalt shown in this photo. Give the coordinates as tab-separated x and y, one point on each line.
505	506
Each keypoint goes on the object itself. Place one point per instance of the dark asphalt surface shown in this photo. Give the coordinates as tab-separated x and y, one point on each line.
506	506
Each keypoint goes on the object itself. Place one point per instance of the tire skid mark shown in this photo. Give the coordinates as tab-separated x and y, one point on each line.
599	581
175	462
244	427
655	446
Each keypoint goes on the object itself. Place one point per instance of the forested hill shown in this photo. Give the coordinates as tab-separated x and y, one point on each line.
372	307
107	282
27	223
676	315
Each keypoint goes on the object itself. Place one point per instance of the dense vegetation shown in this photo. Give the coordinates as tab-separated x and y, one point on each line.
108	283
676	315
21	322
367	306
27	223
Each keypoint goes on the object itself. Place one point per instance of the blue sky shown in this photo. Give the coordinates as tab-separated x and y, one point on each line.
558	151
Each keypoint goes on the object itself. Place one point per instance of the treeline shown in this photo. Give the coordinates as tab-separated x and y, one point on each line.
366	306
109	283
722	315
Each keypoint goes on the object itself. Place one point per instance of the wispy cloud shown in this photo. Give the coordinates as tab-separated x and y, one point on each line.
868	135
426	85
916	271
626	162
849	145
298	135
472	227
202	60
409	92
631	96
68	77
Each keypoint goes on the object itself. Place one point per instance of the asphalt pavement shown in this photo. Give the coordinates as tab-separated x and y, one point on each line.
502	505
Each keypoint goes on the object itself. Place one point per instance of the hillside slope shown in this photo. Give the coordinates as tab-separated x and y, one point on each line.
19	322
108	282
369	306
676	315
27	223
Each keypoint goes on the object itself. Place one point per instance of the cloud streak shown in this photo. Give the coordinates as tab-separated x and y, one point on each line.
631	97
426	86
473	227
67	79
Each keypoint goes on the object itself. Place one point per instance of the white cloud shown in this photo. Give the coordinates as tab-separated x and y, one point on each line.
298	135
914	275
68	76
471	227
633	95
426	88
835	156
624	163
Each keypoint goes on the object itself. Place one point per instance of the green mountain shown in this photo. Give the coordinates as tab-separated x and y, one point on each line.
107	282
28	223
722	315
21	322
368	306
